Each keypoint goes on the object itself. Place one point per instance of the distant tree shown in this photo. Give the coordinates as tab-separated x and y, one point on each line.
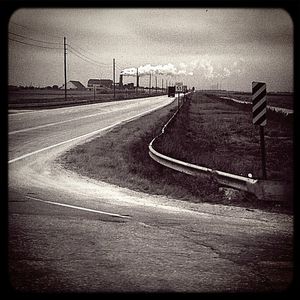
55	87
12	87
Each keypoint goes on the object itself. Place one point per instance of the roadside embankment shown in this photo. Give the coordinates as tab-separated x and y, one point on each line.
121	157
216	135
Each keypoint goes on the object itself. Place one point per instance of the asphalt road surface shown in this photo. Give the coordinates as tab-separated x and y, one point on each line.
69	233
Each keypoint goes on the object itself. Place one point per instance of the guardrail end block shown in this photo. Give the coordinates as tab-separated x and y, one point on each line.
271	190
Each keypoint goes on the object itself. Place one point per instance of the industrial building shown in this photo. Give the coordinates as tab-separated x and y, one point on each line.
99	84
121	85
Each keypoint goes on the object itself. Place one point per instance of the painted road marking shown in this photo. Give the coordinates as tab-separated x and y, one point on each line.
62	143
62	122
79	208
88	134
56	123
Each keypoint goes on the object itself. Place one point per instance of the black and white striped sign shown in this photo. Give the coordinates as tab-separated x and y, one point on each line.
259	102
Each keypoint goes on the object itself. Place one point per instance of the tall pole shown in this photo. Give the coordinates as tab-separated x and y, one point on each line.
156	84
162	84
114	77
150	83
65	66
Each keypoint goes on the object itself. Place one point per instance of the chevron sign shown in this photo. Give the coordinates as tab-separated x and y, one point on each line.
259	102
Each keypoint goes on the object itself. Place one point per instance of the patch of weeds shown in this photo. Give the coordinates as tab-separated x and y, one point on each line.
121	156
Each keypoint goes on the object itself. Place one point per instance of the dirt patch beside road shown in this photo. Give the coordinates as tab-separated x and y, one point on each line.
121	157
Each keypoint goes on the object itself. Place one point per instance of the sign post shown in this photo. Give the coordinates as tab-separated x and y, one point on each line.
259	113
178	89
94	93
184	88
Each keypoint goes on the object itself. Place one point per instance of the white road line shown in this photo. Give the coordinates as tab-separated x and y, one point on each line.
13	112
56	123
61	122
79	208
62	143
85	135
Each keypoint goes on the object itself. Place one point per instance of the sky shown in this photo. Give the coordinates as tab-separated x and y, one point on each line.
200	47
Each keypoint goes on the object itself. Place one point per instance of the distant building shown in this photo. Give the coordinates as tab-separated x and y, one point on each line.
128	86
100	83
74	85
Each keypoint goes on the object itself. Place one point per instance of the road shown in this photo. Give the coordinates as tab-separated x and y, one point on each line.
69	233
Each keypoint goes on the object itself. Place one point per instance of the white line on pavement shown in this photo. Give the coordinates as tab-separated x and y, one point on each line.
62	143
55	123
86	135
79	208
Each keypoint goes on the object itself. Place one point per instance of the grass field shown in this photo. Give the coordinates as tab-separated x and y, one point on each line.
216	135
36	99
127	163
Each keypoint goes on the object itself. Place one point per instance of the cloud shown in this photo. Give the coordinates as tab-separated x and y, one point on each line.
211	69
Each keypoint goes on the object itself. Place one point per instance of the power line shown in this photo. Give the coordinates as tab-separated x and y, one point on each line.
33	39
81	49
88	58
21	42
120	68
123	67
81	57
31	29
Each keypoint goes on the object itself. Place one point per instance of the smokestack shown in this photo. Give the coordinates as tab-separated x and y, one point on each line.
121	81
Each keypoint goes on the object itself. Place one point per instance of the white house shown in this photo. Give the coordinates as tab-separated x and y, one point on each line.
73	85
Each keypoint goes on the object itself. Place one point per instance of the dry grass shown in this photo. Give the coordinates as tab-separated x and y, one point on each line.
128	164
220	136
36	99
121	157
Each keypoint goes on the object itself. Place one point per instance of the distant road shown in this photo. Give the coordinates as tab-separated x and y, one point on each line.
35	130
68	233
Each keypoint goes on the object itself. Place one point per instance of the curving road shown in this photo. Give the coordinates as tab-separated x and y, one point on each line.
69	233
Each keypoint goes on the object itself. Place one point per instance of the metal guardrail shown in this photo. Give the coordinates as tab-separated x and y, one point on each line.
285	111
262	189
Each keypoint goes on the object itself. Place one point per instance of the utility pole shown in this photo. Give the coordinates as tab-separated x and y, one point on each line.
150	83
65	66
162	84
114	79
156	84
